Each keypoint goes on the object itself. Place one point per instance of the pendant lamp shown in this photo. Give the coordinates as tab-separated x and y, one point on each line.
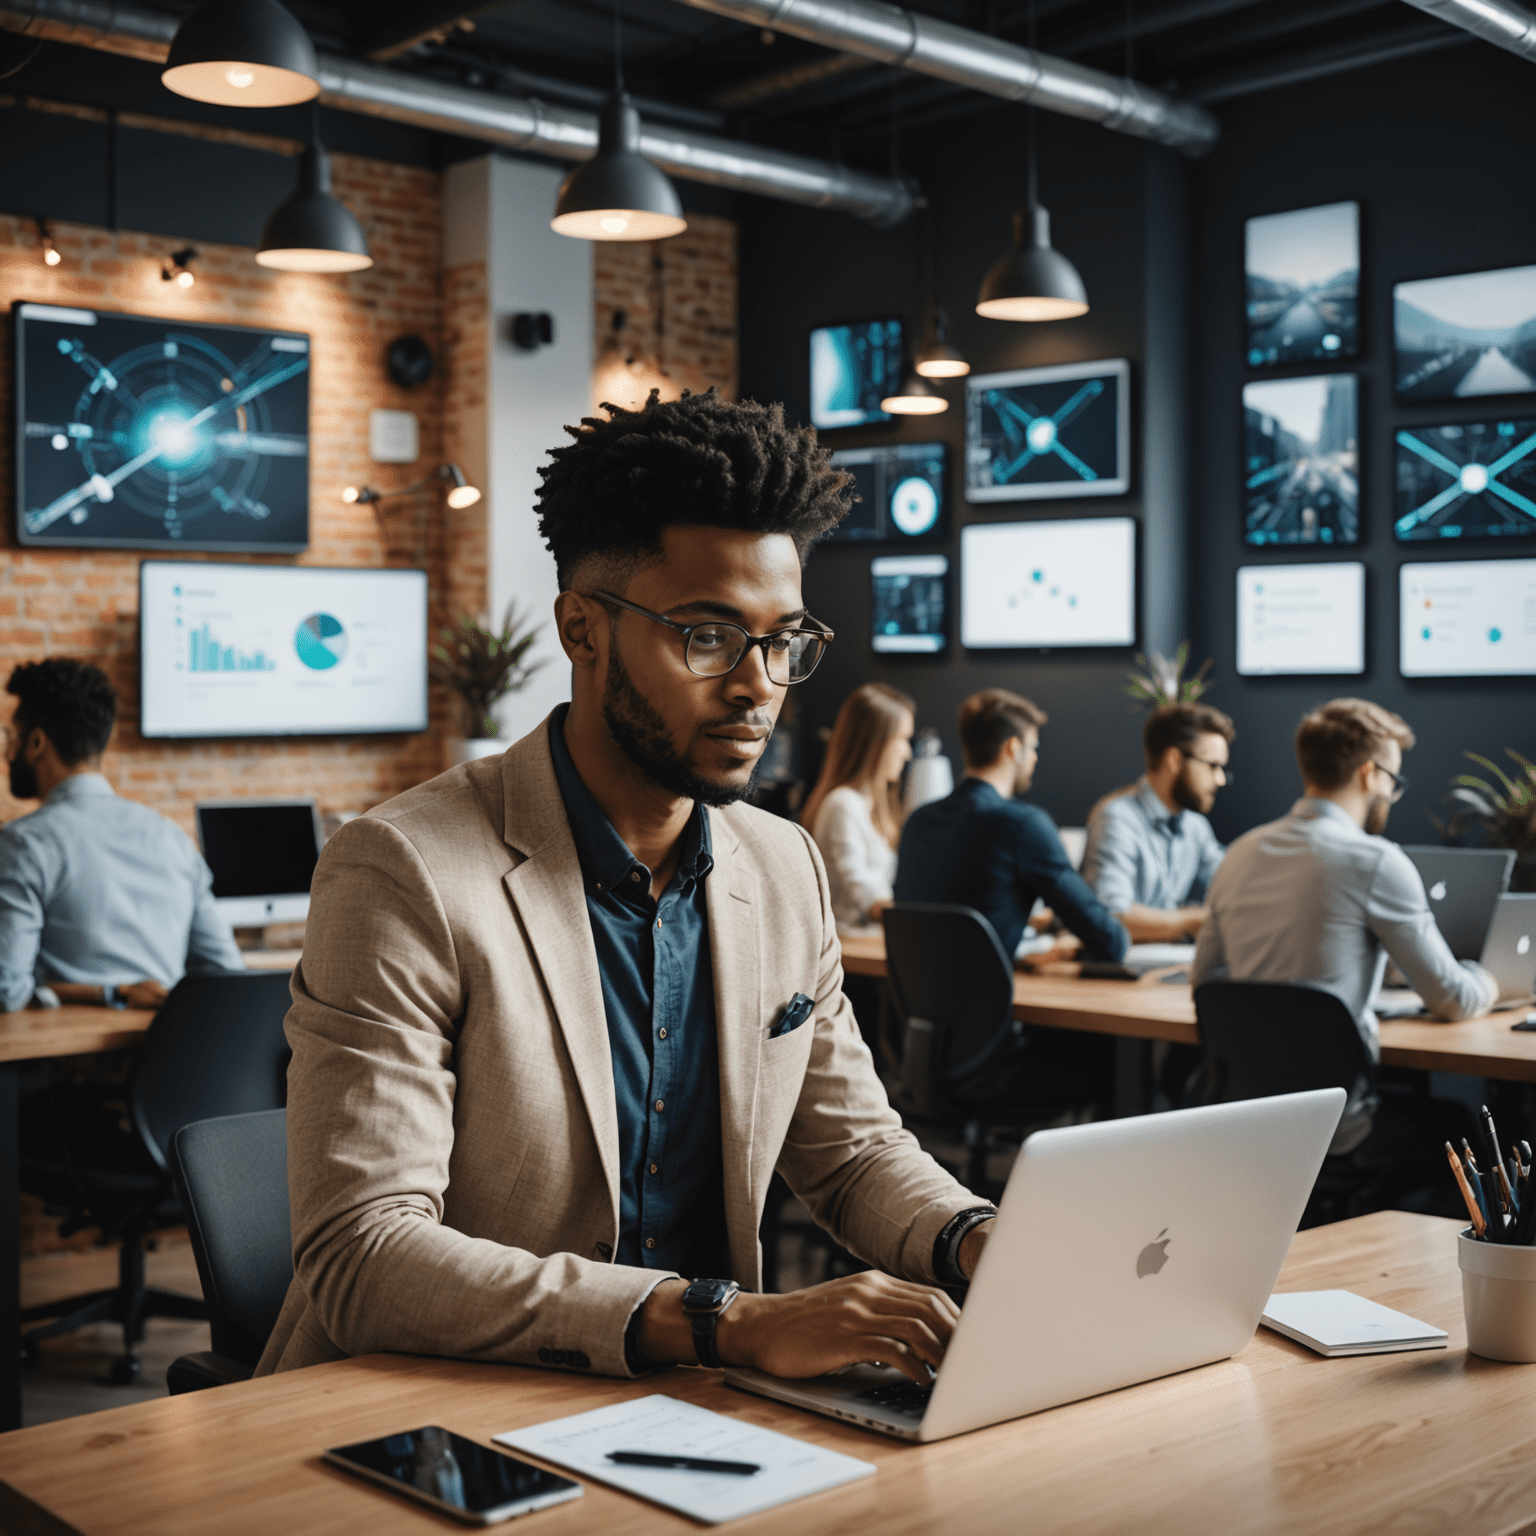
1033	281
618	194
916	397
939	360
242	53
312	232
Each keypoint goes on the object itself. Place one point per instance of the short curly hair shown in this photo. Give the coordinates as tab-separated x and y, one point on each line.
71	702
701	461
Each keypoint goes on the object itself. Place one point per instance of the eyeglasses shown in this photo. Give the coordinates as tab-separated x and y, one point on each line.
1399	781
715	648
1205	762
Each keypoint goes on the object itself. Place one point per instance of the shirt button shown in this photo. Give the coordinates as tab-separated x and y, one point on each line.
650	1242
661	1034
599	885
658	922
660	1105
634	874
655	1168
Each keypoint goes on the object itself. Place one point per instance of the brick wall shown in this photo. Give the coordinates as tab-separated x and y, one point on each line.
57	602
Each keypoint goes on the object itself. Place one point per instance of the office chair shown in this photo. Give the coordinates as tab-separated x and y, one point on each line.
232	1176
216	1047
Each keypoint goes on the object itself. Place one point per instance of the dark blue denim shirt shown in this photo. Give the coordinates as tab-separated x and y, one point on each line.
658	995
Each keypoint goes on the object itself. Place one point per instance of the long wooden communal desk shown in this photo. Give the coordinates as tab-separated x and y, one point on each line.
1150	1009
1275	1440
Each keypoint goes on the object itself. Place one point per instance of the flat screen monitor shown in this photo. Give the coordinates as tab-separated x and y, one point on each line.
1302	620
1303	270
853	368
1069	583
1301	481
1467	618
262	854
1042	433
1469	480
1457	337
908	603
270	650
142	433
902	491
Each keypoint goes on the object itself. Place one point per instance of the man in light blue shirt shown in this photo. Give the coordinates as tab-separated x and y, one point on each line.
102	900
1151	852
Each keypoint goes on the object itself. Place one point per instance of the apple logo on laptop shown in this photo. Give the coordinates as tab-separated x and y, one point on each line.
1437	891
1152	1258
1523	946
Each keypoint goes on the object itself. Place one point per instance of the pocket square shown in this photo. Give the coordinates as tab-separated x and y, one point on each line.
796	1011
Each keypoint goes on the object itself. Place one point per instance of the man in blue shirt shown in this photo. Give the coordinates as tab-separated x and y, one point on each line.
982	847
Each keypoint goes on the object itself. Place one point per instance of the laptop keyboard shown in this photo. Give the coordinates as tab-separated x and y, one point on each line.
903	1397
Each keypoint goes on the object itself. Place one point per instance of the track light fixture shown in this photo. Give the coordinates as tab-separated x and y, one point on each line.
460	492
51	256
178	267
242	53
312	232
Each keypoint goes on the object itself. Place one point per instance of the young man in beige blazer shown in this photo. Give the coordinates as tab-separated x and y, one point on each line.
562	1013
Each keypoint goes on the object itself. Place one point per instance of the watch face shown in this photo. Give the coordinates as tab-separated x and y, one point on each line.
707	1295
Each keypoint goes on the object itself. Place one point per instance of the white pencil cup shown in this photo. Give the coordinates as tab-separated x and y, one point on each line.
1498	1296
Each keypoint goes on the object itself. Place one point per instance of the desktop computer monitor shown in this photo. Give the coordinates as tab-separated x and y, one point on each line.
262	854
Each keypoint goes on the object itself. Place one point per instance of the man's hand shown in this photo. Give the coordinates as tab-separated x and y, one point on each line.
135	994
143	994
1067	947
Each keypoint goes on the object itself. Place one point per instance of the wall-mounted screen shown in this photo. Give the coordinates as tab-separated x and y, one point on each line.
1039	433
1470	480
1468	618
1301	483
1300	619
272	650
902	490
1460	336
853	368
1048	584
1303	285
908	602
137	433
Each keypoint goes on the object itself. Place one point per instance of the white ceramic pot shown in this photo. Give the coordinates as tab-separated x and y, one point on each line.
465	749
1498	1296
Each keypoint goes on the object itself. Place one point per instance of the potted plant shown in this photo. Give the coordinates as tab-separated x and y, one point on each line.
481	665
1501	815
1161	681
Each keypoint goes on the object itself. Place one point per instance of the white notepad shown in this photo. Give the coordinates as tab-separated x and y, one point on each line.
1341	1323
669	1426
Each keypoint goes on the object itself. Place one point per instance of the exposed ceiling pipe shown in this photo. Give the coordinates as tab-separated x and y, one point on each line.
929	46
1500	22
511	122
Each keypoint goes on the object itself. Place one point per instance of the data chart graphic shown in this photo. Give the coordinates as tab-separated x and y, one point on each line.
908	608
1302	620
902	491
139	433
1470	480
268	650
1039	433
1467	618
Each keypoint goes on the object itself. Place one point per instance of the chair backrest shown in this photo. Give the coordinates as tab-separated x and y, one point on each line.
216	1047
1262	1038
954	986
232	1176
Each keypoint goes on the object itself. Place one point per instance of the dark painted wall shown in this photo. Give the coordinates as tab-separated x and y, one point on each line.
1436	150
801	269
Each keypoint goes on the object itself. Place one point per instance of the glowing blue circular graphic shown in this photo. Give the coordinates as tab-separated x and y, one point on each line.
1040	434
914	506
320	641
1332	343
1474	478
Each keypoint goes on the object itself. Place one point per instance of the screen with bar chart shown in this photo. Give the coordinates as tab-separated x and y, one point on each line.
262	650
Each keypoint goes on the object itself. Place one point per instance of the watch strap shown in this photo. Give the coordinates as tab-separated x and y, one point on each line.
704	1339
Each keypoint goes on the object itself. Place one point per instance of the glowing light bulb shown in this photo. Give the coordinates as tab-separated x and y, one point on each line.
185	279
350	494
463	496
51	256
614	224
240	78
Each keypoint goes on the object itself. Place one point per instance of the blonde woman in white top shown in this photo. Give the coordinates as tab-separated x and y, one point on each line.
854	810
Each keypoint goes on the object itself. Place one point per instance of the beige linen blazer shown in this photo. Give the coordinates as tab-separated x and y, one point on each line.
452	1130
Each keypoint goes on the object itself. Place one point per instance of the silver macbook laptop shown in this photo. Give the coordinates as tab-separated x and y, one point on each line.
1462	885
1124	1250
1510	953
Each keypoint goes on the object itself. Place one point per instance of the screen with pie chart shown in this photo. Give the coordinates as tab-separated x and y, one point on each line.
901	490
262	650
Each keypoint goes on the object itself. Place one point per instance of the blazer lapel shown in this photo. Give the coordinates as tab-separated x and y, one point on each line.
547	895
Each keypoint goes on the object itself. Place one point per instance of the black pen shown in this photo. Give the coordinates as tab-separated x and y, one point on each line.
1491	1136
683	1463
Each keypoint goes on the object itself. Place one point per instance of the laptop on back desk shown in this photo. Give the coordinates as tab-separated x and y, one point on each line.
1462	885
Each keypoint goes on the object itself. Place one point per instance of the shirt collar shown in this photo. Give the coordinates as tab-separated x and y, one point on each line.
80	786
1313	807
1152	804
606	860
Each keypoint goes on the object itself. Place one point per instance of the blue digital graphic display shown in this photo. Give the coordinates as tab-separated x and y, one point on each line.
1040	433
853	368
1301	475
901	490
1471	480
138	433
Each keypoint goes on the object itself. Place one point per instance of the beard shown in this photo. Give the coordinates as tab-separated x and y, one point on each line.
636	725
1377	809
1186	795
23	779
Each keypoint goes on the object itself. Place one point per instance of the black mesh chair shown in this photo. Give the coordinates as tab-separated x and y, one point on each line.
232	1176
216	1047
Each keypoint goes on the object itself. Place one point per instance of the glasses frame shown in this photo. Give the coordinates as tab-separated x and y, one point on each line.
761	642
1205	762
1399	780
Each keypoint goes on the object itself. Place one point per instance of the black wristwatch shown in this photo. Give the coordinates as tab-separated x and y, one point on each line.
704	1301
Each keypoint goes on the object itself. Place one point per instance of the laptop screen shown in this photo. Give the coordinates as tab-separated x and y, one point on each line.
263	849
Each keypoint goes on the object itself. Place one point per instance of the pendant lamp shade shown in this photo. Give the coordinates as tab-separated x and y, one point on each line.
618	194
312	232
939	360
1033	281
916	397
242	53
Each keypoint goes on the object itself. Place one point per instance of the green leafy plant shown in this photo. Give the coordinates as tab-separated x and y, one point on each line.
1161	681
482	665
1503	813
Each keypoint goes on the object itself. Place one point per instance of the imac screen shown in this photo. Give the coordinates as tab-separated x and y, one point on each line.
1474	480
901	489
1468	618
1455	337
907	602
1301	482
853	368
1303	285
1300	619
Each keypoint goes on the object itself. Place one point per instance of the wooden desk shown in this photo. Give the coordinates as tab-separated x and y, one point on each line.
1150	1009
1275	1440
